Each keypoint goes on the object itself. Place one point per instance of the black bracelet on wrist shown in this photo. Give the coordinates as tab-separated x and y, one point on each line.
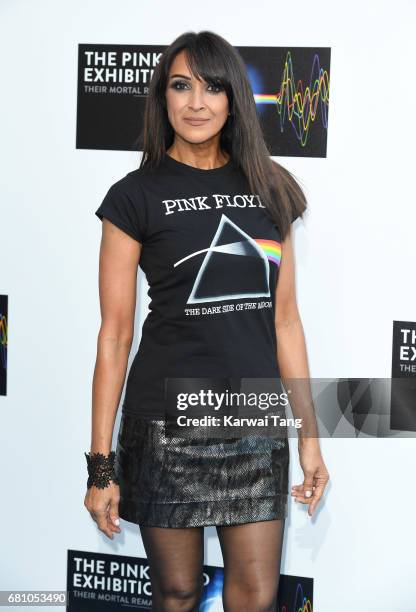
100	469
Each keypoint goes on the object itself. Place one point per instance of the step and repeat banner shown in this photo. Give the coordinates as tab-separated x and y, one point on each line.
99	581
105	87
290	86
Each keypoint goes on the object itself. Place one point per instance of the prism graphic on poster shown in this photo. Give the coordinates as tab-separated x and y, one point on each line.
235	266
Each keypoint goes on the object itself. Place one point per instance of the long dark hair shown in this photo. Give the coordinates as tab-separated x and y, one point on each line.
215	60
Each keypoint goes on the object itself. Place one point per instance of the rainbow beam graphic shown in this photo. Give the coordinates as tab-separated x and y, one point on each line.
271	248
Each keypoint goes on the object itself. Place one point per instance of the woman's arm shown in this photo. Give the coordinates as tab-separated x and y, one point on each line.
119	259
293	364
291	344
291	347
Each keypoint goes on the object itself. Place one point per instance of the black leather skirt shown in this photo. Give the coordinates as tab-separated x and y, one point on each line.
168	481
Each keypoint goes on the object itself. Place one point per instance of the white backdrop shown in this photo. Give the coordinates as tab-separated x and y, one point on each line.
355	271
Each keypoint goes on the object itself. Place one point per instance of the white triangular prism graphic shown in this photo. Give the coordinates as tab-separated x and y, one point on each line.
234	248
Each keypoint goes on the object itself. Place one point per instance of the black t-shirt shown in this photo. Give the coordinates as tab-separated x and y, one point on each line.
211	256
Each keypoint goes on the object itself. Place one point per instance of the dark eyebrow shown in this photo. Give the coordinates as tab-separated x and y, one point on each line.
180	75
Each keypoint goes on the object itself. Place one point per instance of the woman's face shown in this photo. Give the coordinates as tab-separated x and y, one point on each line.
188	99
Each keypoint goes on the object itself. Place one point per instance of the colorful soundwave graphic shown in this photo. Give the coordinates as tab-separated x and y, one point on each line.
300	105
271	248
302	603
3	340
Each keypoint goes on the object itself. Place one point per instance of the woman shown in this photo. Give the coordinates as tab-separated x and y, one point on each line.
207	216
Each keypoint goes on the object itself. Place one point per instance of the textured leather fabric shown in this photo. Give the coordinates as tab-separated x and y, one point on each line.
176	482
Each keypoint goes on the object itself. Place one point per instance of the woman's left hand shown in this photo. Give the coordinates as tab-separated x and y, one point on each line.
315	472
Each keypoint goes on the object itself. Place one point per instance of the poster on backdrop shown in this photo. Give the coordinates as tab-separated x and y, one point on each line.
4	315
403	377
109	583
290	87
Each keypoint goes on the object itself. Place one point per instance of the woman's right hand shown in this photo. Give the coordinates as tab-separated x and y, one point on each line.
316	475
102	504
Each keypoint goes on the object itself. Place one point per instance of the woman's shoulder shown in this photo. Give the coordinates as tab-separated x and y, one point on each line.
141	177
125	205
131	183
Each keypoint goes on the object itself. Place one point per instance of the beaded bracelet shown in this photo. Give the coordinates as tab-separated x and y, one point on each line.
100	469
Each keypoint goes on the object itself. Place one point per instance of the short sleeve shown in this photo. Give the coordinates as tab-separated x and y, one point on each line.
124	205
